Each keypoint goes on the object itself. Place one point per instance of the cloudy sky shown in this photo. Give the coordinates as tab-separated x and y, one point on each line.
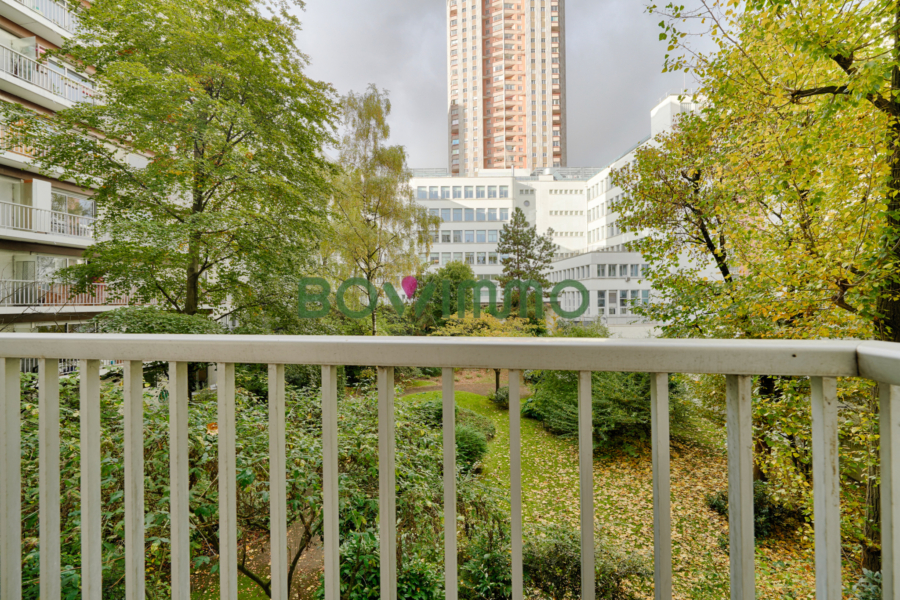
614	69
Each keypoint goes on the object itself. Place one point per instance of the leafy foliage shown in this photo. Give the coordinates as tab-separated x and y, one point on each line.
203	147
500	397
527	254
153	320
471	446
768	513
868	587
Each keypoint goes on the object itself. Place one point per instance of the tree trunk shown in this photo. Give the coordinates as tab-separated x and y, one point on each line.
496	380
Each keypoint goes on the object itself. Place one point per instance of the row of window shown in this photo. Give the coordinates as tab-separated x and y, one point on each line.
465	237
609	302
470	214
470	258
469	191
584	272
566	213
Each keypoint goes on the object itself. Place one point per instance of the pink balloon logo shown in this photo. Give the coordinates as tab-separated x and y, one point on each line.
410	284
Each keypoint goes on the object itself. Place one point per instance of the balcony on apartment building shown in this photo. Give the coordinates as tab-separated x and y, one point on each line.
34	211
53	21
49	294
822	362
51	84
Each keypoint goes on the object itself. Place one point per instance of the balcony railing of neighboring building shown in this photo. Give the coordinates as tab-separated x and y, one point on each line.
24	293
55	12
44	77
38	220
822	361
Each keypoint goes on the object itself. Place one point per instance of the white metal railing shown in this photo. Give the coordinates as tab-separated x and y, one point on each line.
821	361
15	292
39	220
44	77
54	11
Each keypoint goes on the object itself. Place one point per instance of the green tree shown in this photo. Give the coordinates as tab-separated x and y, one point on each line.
527	255
380	230
454	274
203	143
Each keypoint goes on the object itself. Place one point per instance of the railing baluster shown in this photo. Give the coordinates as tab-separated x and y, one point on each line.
330	516
179	482
449	421
826	488
10	481
662	512
277	484
91	535
387	483
740	486
228	559
48	458
134	479
889	430
586	476
515	481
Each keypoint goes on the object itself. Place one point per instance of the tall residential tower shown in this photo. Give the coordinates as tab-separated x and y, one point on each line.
506	64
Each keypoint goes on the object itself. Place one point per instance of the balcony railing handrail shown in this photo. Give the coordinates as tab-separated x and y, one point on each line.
58	13
41	220
39	74
46	292
821	360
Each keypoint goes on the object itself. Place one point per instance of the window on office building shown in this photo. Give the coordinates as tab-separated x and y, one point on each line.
634	270
470	214
470	191
434	193
481	236
601	302
601	270
623	270
457	214
445	193
445	214
457	236
422	193
613	302
445	237
470	237
457	192
445	258
480	214
492	236
492	214
470	258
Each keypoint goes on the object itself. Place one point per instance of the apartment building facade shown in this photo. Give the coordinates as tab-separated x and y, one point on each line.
45	223
506	68
576	203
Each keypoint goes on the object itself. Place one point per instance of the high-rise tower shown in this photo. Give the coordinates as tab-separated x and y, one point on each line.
506	65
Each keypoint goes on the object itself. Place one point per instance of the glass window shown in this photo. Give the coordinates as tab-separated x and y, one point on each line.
634	270
492	191
479	191
470	237
457	191
434	193
482	258
504	191
480	214
613	270
623	303
72	205
601	302
645	296
470	258
445	214
422	193
645	270
445	237
445	258
613	302
492	236
480	236
434	212
601	270
457	236
470	191
435	258
457	256
623	270
445	192
457	214
492	214
504	214
434	236
635	297
470	214
492	258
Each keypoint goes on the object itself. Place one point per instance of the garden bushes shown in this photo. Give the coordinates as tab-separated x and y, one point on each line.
768	513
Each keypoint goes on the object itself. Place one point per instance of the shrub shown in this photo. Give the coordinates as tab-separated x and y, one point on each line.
431	412
500	397
471	446
551	559
868	587
768	513
621	405
486	567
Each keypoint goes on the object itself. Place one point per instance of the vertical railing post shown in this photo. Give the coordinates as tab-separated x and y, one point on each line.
387	483
330	499
10	480
586	481
889	430
515	481
225	417
48	458
278	484
179	482
662	512
449	427
133	396
826	488
740	486
91	535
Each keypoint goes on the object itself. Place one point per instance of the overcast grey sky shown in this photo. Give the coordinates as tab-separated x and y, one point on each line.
614	70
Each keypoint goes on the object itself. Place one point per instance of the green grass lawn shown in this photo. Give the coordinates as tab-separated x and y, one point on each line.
247	590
